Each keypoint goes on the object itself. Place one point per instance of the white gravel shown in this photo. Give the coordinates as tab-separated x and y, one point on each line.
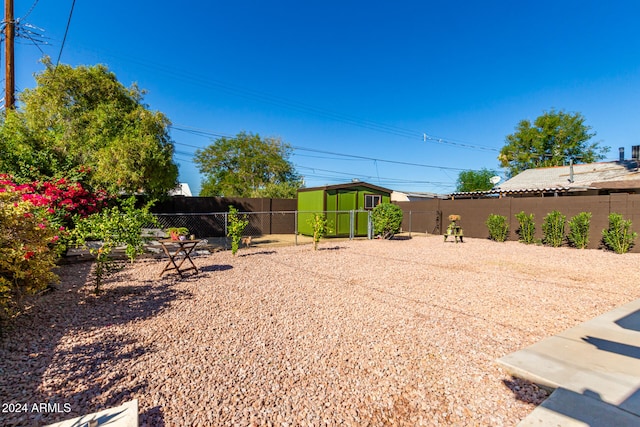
402	332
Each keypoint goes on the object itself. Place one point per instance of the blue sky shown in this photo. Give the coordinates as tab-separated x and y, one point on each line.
341	78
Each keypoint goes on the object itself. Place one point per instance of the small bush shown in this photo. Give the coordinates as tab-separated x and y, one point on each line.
498	227
320	227
235	228
618	237
579	230
114	226
527	230
553	229
387	220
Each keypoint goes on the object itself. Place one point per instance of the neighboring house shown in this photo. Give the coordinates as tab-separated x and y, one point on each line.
337	201
578	180
400	196
181	189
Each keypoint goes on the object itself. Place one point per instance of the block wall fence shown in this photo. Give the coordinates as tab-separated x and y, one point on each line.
430	216
474	213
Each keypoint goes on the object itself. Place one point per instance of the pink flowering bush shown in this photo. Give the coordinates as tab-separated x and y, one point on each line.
27	248
63	199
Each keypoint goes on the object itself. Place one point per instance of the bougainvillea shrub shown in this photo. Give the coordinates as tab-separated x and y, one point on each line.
27	247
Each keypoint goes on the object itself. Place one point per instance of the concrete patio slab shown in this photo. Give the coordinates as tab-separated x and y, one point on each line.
568	409
121	416
598	360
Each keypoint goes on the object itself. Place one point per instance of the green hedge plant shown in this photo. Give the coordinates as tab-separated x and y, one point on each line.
618	237
553	229
387	220
498	227
527	230
579	230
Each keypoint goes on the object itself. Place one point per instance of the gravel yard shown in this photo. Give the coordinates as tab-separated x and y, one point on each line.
401	332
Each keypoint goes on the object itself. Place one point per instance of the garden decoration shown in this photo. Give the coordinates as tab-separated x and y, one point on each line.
178	233
454	229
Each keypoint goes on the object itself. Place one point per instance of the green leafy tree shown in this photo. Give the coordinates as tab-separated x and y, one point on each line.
85	116
235	228
387	220
247	166
112	227
320	227
553	139
475	180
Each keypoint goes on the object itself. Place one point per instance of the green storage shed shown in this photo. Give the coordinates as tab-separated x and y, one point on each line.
337	202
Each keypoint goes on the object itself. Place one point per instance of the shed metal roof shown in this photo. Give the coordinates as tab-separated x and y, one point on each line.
348	185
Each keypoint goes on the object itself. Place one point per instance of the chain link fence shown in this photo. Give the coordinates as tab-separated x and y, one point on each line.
214	225
353	223
424	222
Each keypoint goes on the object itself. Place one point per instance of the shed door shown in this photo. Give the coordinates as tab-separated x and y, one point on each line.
346	202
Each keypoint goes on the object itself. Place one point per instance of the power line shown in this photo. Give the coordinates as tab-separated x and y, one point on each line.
243	92
33	6
66	31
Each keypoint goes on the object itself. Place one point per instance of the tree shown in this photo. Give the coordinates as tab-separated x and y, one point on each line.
247	166
553	139
85	116
475	180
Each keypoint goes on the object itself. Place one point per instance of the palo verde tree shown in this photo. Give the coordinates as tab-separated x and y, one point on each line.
247	166
84	116
475	180
553	139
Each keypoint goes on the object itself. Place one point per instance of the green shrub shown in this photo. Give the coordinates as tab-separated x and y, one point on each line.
115	226
320	227
27	250
527	230
387	220
579	230
553	229
235	228
618	237
498	227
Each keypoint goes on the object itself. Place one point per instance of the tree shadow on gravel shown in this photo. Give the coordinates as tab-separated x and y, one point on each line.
65	351
222	267
258	253
526	391
152	417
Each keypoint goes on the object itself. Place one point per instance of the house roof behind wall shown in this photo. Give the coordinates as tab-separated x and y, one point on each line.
585	176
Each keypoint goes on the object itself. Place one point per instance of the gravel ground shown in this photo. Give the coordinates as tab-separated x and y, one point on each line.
402	332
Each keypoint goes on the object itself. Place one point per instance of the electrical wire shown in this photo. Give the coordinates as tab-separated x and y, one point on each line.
33	6
252	94
66	31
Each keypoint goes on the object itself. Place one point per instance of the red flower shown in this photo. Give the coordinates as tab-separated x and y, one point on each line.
29	254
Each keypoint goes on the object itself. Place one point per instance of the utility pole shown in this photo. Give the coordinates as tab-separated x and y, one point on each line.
10	83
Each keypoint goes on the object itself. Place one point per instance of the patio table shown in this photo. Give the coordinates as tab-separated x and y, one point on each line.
176	248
